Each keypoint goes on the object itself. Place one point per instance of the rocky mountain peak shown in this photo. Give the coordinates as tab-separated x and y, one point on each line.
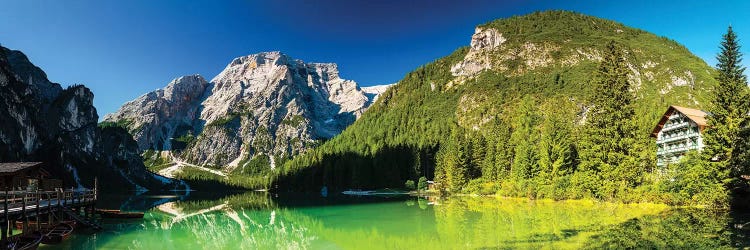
254	64
185	87
43	122
266	104
26	72
486	39
153	117
483	41
274	74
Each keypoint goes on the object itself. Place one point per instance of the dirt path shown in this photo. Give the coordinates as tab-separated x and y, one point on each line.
179	164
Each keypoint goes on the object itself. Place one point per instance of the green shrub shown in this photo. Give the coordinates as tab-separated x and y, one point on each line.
294	121
422	184
409	185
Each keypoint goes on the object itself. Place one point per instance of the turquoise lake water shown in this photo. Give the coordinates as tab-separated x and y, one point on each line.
258	220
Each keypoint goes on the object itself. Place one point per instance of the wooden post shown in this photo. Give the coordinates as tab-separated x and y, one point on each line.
49	208
38	200
11	221
25	216
96	197
60	195
96	186
4	225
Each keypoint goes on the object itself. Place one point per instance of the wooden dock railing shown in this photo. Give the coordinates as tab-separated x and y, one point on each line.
24	199
20	205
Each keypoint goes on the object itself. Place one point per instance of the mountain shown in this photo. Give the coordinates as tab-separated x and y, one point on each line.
373	92
460	119
259	111
44	122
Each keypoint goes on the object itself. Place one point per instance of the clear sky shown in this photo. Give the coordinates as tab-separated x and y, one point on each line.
123	49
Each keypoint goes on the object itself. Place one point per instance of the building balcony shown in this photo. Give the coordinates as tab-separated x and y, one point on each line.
673	126
667	139
680	149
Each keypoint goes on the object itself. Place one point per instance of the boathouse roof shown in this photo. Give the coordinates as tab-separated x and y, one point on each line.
696	115
11	168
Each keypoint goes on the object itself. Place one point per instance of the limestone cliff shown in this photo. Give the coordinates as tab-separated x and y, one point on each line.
44	122
266	104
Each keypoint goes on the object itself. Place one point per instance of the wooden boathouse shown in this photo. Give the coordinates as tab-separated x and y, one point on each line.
30	198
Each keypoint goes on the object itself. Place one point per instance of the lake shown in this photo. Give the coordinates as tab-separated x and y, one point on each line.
257	220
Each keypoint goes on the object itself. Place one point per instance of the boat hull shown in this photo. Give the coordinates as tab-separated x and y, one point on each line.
58	234
42	225
25	242
117	214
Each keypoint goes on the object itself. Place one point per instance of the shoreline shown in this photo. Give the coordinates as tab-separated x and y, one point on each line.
549	200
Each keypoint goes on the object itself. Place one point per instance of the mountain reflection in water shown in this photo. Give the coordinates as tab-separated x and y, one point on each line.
255	220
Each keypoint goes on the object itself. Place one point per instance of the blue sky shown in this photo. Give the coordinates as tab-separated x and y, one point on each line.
123	49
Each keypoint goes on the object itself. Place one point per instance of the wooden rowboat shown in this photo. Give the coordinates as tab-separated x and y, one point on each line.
28	241
108	213
42	225
57	234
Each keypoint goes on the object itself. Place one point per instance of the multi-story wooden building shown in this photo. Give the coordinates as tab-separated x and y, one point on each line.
679	131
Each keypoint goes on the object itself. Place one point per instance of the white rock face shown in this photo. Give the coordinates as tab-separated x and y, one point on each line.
477	60
41	121
373	92
262	104
161	113
486	39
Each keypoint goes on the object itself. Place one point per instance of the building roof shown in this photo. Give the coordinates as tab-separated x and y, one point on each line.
696	115
7	168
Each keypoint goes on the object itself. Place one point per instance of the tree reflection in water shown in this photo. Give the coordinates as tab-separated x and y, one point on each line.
256	221
678	229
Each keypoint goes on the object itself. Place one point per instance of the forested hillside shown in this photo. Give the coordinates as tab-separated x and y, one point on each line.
511	114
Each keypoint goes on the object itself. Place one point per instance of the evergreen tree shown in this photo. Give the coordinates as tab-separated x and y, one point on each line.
503	155
478	151
421	111
741	155
524	138
489	172
453	161
728	112
557	155
610	130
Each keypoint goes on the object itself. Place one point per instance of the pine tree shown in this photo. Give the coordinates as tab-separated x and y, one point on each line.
556	148
453	160
740	162
610	128
489	172
478	151
524	137
728	112
503	155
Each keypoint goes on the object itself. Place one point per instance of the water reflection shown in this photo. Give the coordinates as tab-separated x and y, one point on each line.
256	220
245	221
676	229
530	224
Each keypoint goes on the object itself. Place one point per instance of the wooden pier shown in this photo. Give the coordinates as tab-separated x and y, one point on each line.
45	207
35	203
